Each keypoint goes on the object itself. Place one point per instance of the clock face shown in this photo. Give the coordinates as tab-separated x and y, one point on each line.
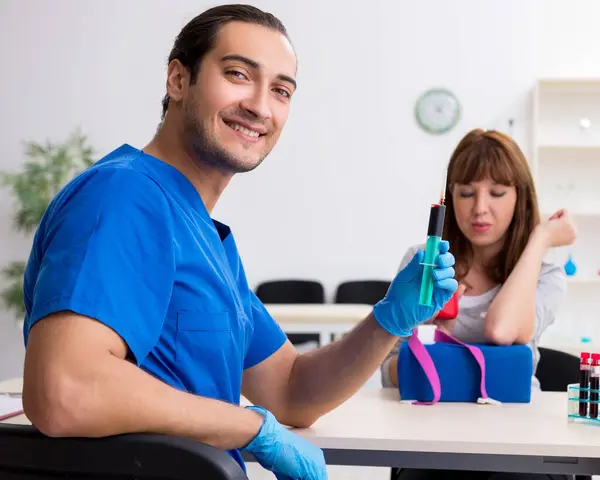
437	111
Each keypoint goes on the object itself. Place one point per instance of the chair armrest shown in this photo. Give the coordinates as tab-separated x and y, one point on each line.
139	455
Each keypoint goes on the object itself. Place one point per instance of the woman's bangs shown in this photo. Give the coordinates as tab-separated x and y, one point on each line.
479	164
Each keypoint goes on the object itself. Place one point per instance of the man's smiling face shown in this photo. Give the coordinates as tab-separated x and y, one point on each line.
234	113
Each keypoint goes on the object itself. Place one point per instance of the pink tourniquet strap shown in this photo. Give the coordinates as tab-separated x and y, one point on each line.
476	352
422	356
426	362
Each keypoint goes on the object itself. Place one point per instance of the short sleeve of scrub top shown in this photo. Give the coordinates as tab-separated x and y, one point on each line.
267	337
106	253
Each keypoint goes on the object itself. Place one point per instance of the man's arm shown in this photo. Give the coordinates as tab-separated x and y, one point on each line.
304	387
77	382
324	378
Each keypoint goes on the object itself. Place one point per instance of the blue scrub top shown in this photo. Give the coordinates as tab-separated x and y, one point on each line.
130	243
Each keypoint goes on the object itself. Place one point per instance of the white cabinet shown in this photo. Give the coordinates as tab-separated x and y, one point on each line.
566	165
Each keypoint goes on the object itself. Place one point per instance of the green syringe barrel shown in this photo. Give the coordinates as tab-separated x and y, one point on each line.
432	250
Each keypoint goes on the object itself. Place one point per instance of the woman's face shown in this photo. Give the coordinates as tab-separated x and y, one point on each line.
484	210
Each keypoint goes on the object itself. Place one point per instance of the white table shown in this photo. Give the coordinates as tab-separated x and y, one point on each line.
373	428
329	319
13	386
332	320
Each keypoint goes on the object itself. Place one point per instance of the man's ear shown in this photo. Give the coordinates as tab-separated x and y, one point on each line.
177	80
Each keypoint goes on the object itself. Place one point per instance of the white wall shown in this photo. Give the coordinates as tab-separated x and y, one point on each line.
348	188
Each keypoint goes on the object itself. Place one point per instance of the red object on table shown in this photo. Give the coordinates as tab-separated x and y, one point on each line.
450	310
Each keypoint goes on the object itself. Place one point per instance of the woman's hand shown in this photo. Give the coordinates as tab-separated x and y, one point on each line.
447	326
559	229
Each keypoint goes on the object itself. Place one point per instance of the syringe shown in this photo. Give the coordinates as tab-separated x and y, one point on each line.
432	248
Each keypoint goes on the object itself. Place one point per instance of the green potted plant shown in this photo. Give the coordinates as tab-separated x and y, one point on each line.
48	168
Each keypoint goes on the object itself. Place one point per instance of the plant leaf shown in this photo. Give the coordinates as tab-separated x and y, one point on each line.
12	295
47	168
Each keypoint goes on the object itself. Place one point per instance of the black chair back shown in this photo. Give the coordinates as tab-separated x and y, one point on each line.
361	291
291	291
556	370
26	454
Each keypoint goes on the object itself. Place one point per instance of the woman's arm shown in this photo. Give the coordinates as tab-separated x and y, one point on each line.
511	317
389	367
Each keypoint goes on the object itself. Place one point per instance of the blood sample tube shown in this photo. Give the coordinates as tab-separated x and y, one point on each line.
584	383
594	385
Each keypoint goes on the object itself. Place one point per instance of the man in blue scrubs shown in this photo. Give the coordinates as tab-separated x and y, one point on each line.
139	315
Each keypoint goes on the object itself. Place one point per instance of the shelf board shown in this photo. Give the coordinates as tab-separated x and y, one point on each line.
573	347
574	213
568	85
569	81
555	341
549	146
583	279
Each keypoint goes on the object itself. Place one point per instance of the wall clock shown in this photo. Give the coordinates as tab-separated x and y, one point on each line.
437	111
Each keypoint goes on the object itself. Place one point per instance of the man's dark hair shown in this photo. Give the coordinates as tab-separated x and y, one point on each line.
198	37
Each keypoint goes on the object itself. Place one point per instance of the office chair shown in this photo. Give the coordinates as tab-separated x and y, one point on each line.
361	291
293	291
27	454
556	370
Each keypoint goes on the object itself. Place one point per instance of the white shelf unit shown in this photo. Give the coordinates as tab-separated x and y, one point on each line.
565	161
583	280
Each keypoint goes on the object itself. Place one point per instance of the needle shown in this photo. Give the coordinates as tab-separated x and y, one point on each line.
443	195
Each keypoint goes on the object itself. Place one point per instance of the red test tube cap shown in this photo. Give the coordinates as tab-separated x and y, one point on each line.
585	355
596	358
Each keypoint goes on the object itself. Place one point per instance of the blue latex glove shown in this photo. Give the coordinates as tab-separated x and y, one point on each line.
399	311
284	453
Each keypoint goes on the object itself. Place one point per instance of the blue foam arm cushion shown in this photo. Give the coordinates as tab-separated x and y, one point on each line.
509	370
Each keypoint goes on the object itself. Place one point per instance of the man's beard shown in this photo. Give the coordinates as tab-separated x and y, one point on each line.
208	150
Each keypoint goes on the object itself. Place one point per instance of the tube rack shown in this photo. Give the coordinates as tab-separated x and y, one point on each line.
573	391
